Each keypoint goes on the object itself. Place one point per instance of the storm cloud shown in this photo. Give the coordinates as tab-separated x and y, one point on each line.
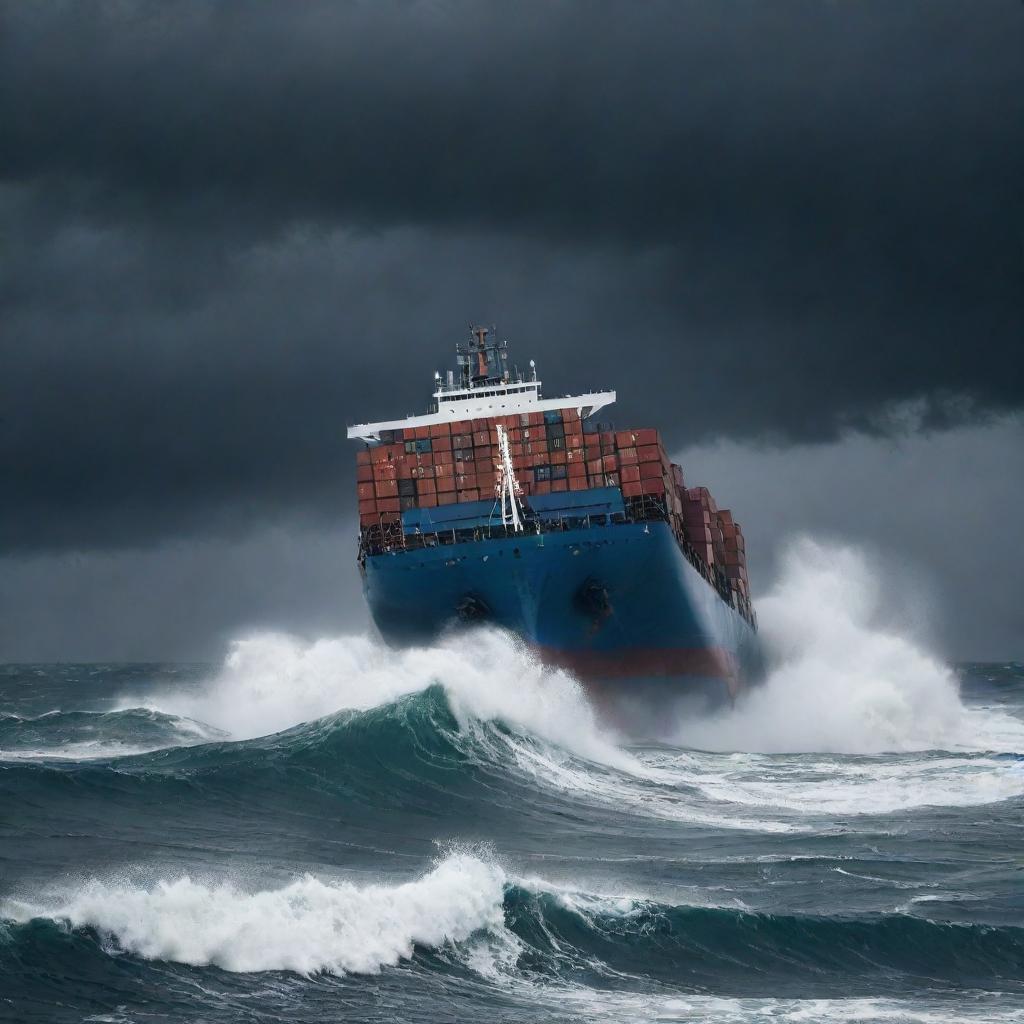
229	229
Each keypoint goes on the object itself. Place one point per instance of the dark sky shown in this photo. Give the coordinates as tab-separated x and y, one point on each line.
228	229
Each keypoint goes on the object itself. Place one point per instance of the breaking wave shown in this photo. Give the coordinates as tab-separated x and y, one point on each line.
270	682
501	927
844	681
307	926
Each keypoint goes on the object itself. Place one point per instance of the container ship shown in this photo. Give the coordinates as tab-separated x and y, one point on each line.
500	506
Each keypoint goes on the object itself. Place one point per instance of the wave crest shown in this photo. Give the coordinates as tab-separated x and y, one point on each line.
307	926
270	682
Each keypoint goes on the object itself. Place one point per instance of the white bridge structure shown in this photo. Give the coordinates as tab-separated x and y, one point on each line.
486	388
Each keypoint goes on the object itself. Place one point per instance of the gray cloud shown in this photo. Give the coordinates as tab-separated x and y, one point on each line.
228	229
935	510
180	600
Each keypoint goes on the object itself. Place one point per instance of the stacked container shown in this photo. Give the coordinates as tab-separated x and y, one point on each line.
552	452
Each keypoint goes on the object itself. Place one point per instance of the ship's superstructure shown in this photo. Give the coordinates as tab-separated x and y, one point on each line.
500	505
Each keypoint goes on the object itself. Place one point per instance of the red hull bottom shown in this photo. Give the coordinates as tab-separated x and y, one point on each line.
644	691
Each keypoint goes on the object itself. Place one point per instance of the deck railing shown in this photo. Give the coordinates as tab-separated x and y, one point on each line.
391	537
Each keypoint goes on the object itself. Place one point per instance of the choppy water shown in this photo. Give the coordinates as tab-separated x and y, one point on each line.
316	832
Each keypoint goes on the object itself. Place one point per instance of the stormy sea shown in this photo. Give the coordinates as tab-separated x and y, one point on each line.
324	830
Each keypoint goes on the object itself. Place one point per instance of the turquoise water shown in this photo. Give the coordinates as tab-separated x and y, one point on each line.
335	831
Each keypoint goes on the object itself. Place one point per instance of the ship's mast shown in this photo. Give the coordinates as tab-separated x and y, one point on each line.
506	486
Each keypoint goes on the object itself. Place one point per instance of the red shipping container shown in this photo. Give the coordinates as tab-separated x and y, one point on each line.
705	552
699	534
445	483
426	487
441	444
443	459
379	454
656	486
573	440
428	501
387	488
542	486
630	474
649	453
472	494
558	458
365	491
577	470
367	505
446	497
625	439
426	459
368	519
440	429
595	466
557	486
388	505
578	483
646	437
536	419
632	489
421	433
650	470
611	463
385	471
364	474
628	456
363	457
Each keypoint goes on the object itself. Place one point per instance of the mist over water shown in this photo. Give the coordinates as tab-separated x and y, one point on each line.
841	679
330	829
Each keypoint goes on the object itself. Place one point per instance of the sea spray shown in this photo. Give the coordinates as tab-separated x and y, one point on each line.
307	926
842	680
272	681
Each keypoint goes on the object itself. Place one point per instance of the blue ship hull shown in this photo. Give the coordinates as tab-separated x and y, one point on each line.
619	605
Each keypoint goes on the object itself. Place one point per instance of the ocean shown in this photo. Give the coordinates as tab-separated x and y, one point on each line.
329	830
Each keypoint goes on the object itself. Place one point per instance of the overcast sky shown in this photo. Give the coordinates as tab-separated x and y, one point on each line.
790	234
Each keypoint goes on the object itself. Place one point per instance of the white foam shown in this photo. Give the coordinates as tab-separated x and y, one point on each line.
85	751
843	681
627	1008
307	926
272	681
819	785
